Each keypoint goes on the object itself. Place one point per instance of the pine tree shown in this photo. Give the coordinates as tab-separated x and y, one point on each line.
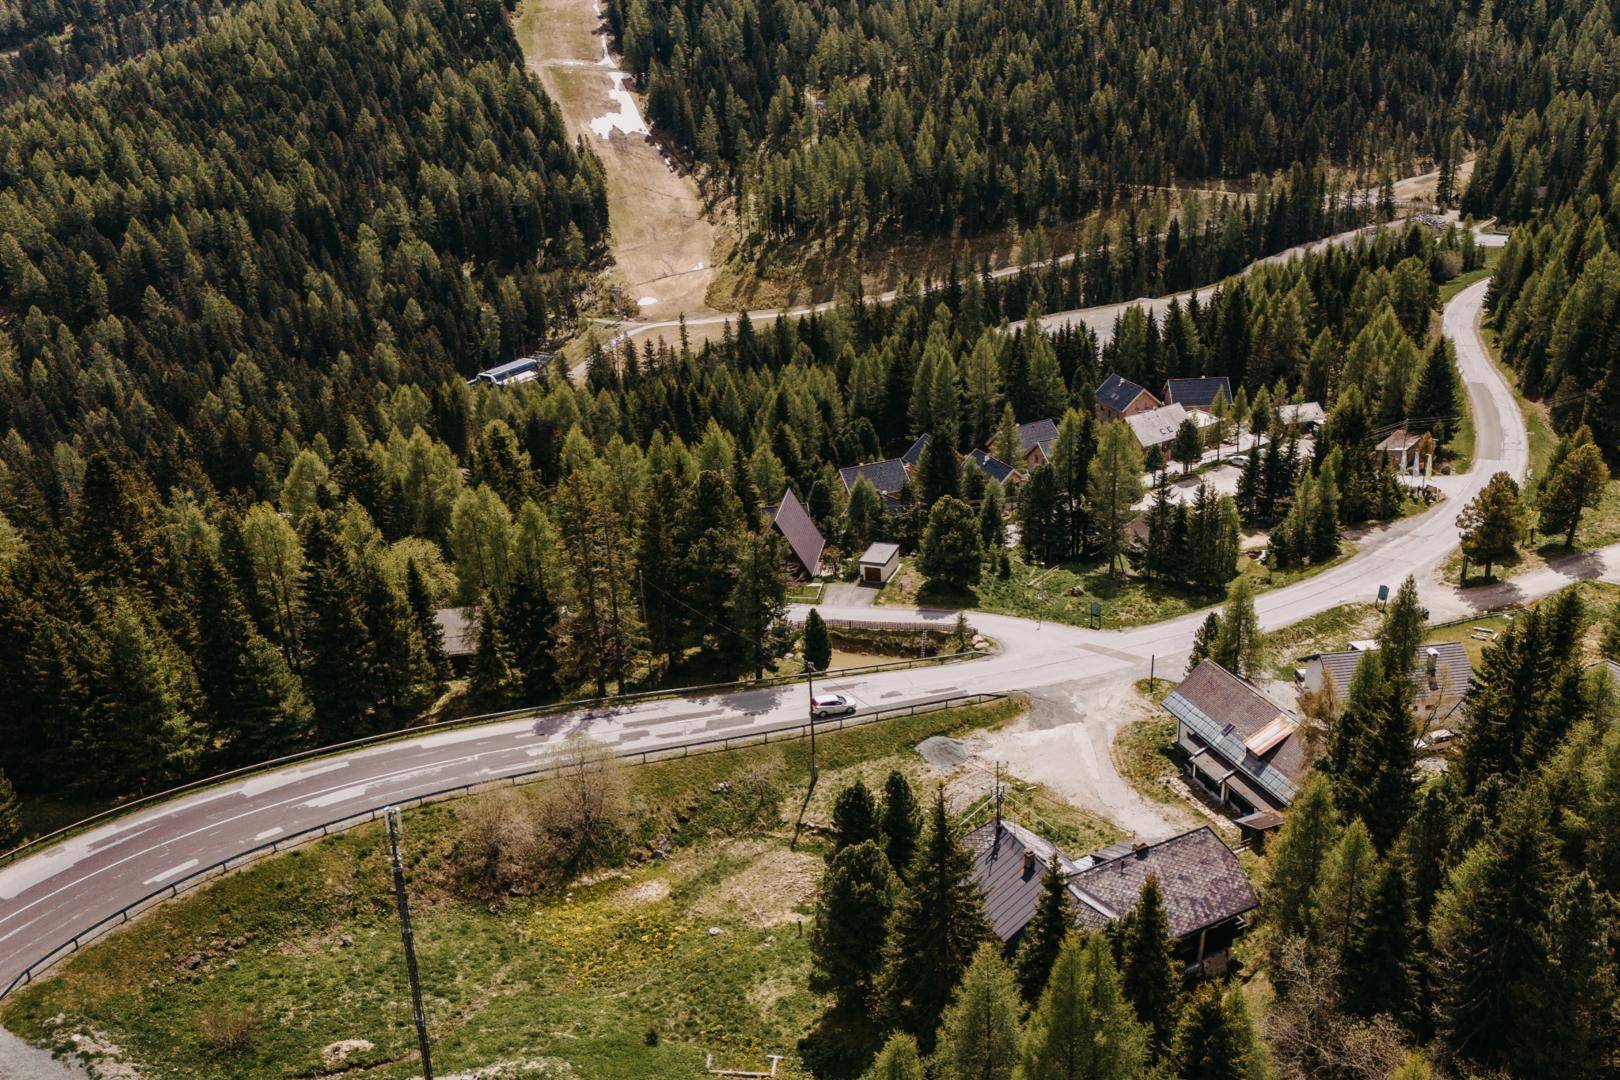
937	470
528	623
1208	633
951	555
1434	399
1187	448
10	819
817	642
757	610
1241	645
938	923
1215	1040
1045	933
1377	963
333	636
979	1035
1148	967
854	816
419	598
992	526
490	673
142	732
898	1060
1402	631
1491	942
852	918
1083	1027
901	822
1492	525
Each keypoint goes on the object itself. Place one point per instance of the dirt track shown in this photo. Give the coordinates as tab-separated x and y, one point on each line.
663	244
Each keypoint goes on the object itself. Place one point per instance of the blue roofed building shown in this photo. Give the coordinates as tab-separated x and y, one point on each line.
522	370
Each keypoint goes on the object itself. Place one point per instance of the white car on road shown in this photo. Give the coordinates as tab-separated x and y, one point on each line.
825	705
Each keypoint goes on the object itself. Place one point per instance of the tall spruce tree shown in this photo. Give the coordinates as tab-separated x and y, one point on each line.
938	923
1377	964
853	908
1148	967
1045	933
817	642
854	816
528	620
901	822
333	636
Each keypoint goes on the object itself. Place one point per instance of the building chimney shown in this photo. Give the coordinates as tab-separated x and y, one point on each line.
1029	861
1139	849
1433	667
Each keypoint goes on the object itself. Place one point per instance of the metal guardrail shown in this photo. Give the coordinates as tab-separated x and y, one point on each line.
586	704
797	729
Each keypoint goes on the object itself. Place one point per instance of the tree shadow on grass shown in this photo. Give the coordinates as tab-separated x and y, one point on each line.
938	594
841	1045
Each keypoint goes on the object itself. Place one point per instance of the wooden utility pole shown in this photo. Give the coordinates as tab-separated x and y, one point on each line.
814	772
404	906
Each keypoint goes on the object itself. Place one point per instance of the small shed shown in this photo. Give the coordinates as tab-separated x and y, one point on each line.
459	628
1405	448
879	562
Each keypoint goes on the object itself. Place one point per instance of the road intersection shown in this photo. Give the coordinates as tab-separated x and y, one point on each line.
48	897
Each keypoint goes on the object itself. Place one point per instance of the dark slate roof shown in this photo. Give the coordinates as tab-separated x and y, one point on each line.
1199	878
1453	672
888	476
792	520
993	467
1036	433
914	452
1009	890
1199	393
1224	711
460	629
1118	392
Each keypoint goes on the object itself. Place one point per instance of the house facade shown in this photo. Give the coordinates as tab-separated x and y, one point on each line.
1118	397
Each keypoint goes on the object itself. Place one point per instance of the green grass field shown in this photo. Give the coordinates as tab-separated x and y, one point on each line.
258	974
1065	593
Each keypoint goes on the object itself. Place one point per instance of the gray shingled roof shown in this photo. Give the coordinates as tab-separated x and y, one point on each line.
1036	433
460	629
888	476
880	553
1199	393
1157	427
1199	878
792	520
991	466
1454	672
1118	392
914	452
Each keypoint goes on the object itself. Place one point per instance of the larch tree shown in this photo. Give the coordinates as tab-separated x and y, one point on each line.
1573	488
1116	488
1215	1040
1241	646
1083	1027
979	1034
898	1060
757	608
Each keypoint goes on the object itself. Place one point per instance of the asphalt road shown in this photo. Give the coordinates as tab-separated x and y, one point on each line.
66	888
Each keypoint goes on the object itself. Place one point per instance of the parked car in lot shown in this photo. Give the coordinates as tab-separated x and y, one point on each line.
825	705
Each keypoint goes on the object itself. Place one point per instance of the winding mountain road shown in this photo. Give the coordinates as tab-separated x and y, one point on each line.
63	890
